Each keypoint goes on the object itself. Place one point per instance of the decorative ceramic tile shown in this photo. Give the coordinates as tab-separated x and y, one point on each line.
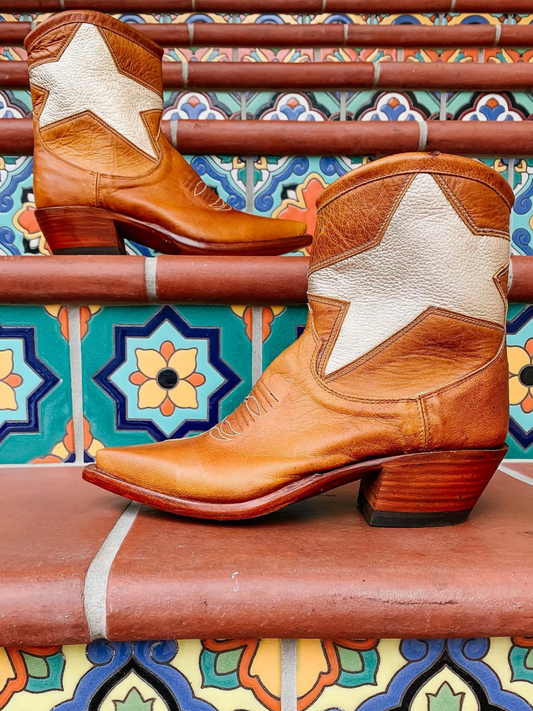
476	106
18	228
522	214
292	106
393	105
152	373
520	354
15	103
415	675
288	187
35	393
281	327
196	105
224	675
143	676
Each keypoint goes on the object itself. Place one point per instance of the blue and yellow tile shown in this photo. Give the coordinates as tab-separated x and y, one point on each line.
35	389
152	373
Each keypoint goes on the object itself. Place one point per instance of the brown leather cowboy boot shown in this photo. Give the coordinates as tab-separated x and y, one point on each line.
103	169
400	378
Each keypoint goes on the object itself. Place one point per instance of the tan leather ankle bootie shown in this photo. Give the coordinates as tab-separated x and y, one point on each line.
400	378
103	169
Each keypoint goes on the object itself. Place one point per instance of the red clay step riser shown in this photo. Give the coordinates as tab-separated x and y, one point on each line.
314	138
178	279
319	35
318	75
284	6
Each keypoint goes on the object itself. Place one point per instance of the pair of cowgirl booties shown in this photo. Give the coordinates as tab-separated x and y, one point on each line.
400	377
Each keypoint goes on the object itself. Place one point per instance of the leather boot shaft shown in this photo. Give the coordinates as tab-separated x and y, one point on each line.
408	289
97	94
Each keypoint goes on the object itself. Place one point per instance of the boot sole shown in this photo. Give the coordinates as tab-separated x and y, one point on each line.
91	230
403	491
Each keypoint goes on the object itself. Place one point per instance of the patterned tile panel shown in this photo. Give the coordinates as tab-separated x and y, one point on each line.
35	393
226	675
152	373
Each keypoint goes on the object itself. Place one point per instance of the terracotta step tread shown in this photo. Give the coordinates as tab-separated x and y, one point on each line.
313	570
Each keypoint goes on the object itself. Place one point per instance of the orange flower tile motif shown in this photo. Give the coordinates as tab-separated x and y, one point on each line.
167	378
64	450
61	314
268	314
521	375
9	381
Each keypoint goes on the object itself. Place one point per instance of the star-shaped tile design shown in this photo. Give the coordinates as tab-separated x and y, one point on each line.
86	78
427	257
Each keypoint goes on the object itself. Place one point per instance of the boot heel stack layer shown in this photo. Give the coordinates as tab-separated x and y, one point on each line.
80	230
428	489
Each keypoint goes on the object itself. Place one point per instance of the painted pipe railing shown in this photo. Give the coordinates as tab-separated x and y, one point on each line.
211	280
204	34
284	6
491	138
326	76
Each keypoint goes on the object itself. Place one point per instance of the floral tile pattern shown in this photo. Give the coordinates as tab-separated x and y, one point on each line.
224	675
152	373
520	352
35	394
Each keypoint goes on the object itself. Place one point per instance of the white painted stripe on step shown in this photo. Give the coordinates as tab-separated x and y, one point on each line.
423	139
497	35
345	32
190	28
185	73
516	475
76	382
150	278
377	71
97	578
174	132
288	675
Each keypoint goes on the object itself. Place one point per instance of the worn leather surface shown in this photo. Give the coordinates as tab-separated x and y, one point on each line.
418	389
428	256
81	127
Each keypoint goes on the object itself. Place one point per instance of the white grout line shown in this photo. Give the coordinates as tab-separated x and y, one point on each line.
423	136
342	106
185	72
190	29
249	163
497	35
517	475
97	578
150	278
174	133
443	105
377	71
257	343
288	675
76	381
